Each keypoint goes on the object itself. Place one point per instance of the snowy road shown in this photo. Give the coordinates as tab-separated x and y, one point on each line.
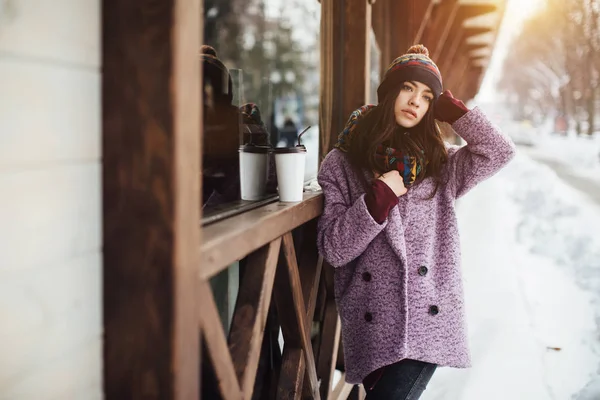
531	263
586	185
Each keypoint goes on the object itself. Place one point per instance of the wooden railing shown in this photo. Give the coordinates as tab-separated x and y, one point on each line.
301	287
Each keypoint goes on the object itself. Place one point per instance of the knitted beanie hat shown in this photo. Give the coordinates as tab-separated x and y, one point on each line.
415	65
216	74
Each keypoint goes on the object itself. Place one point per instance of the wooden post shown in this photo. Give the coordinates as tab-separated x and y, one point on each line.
345	46
381	21
355	71
331	52
151	160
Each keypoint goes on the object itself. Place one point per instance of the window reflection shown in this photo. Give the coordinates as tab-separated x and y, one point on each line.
261	86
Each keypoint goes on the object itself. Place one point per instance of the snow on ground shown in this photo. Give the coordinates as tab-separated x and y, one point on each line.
531	263
579	155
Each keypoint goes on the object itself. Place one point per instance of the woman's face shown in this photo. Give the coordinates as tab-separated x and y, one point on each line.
412	103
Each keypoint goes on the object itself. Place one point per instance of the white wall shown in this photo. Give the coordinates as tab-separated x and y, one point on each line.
50	200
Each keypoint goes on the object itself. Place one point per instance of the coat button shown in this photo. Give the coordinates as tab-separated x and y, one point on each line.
434	310
366	276
423	270
368	317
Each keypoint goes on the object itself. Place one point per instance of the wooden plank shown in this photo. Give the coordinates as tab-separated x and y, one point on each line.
443	17
415	16
356	45
425	11
381	22
328	351
234	238
455	37
475	30
339	386
185	86
455	73
250	315
357	393
150	147
309	267
458	34
291	310
330	117
329	347
349	23
292	375
461	89
448	58
218	351
472	47
402	33
342	390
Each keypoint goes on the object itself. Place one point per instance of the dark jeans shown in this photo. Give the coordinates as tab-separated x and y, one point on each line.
404	380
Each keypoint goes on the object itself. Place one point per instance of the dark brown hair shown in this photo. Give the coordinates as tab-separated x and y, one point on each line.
379	127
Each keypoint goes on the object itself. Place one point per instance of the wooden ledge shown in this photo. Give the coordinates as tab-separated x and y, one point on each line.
234	238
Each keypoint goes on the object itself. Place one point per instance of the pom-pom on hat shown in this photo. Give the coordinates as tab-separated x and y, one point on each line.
415	65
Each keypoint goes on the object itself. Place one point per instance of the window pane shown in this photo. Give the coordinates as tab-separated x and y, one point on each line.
261	86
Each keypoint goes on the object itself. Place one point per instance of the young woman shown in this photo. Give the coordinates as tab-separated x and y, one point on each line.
389	227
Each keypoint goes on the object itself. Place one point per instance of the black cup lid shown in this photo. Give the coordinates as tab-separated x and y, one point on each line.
287	150
252	148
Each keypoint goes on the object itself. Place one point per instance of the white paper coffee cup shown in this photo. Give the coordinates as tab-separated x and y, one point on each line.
290	163
253	171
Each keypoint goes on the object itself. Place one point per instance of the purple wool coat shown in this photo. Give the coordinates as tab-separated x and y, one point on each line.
398	285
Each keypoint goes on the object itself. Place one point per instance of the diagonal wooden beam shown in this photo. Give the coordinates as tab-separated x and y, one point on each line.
456	72
310	265
292	312
250	315
329	347
414	19
330	334
357	393
342	389
424	13
292	375
211	326
443	17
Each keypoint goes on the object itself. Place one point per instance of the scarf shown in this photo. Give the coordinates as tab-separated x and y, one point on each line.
387	158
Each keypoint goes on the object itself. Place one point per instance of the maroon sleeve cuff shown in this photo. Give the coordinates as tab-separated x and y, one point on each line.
450	109
380	199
